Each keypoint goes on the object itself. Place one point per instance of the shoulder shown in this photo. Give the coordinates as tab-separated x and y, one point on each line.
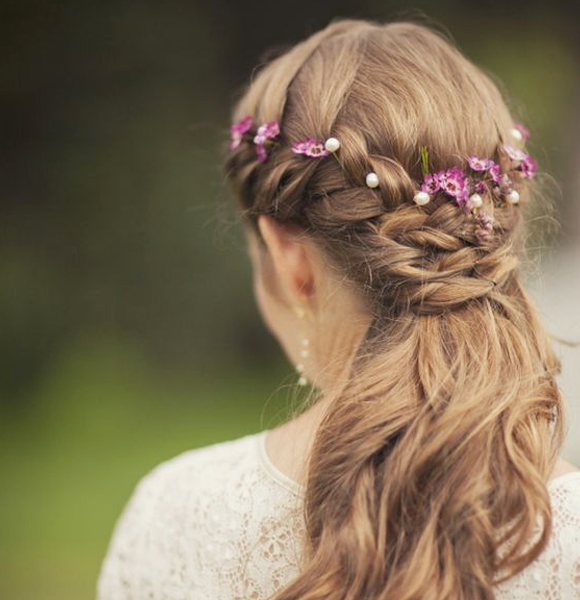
564	490
555	571
183	486
170	507
564	545
562	467
200	468
565	499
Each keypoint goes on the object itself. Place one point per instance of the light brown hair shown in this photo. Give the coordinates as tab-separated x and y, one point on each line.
437	451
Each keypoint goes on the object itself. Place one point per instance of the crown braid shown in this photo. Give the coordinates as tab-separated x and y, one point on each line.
424	261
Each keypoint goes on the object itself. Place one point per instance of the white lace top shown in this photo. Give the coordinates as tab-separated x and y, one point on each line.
221	522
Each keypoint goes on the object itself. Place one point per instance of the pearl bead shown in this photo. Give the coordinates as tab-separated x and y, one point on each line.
517	134
332	144
421	198
302	381
372	180
513	197
305	341
300	367
476	200
304	353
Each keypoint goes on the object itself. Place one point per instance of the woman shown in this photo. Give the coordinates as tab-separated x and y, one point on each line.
382	183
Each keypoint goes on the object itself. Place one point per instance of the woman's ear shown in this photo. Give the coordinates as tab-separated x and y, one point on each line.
290	257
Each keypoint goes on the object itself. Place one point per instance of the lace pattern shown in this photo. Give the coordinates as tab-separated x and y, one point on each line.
222	522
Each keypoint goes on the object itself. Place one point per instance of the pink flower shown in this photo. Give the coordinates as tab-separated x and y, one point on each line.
481	188
267	131
310	147
505	184
430	183
238	129
494	171
514	153
484	227
261	152
464	201
529	167
480	164
523	130
454	183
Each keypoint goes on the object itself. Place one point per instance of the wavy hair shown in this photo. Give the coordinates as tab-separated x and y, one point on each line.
427	475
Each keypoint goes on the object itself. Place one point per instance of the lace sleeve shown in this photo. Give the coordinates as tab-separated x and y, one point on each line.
555	574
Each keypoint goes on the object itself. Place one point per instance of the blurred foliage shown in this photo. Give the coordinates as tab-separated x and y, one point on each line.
127	289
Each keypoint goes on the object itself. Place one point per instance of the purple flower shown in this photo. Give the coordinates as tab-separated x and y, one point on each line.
431	183
454	183
523	130
494	171
480	164
481	188
238	129
261	152
265	132
310	147
529	167
514	153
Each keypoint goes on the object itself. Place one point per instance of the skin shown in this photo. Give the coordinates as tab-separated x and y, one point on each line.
290	276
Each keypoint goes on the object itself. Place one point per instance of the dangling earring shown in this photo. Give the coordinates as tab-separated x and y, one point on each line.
304	351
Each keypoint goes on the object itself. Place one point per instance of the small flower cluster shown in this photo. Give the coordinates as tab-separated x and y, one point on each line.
467	189
464	187
527	165
267	131
484	227
238	129
310	147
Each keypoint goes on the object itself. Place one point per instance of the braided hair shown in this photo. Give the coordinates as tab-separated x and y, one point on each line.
451	420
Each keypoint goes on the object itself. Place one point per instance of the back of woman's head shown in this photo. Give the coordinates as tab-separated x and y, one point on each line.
445	433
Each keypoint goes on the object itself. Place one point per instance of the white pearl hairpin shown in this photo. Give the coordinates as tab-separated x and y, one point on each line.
513	197
476	200
421	198
372	180
516	134
332	144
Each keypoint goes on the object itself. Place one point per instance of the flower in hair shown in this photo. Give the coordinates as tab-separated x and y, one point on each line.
310	147
520	132
494	172
431	183
238	129
481	188
484	177
454	183
529	167
514	153
267	131
484	227
480	164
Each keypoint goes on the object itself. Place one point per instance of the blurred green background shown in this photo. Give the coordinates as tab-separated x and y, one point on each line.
129	330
